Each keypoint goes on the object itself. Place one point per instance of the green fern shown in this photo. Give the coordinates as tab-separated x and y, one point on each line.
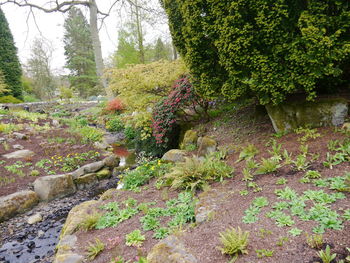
234	242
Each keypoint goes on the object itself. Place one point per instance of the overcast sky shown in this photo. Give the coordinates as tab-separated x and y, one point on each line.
51	28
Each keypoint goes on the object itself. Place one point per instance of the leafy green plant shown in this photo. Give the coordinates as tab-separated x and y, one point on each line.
132	180
149	223
244	192
195	174
284	220
295	231
263	232
308	134
247	175
281	241
346	214
114	124
94	249
248	153
287	193
268	166
234	242
326	255
135	238
312	175
260	253
314	240
301	163
161	233
281	181
89	222
254	209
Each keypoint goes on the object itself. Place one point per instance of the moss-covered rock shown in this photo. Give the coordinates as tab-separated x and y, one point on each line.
170	250
15	203
104	174
174	156
86	180
324	112
77	215
54	186
206	145
190	138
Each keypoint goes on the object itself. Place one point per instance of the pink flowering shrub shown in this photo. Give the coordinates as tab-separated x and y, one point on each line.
181	104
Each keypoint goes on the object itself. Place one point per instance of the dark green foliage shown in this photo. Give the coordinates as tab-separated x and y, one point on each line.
79	54
264	48
9	63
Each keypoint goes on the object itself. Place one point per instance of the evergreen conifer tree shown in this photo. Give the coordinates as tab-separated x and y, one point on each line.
80	55
9	63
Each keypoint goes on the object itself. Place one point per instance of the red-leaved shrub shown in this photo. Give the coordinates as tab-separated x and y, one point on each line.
115	105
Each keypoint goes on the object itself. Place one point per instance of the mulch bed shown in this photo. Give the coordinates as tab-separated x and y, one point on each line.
202	241
38	143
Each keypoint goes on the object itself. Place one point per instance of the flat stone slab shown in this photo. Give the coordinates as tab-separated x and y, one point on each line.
19	154
174	155
15	203
54	186
171	250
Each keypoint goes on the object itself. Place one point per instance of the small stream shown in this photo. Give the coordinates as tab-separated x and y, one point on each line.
24	243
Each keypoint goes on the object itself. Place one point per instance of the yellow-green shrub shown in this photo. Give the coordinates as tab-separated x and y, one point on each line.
142	85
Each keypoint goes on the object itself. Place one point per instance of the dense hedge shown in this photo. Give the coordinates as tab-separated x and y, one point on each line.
264	48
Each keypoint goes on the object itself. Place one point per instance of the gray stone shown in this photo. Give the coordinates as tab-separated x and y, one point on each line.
93	167
2	139
68	258
190	138
55	123
34	219
20	136
86	180
206	145
17	147
174	155
323	112
86	169
101	145
54	186
111	161
15	203
171	250
19	154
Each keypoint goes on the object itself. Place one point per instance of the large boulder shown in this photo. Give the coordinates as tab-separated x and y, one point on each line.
111	161
15	203
190	138
206	145
323	112
77	215
86	180
21	154
170	250
54	186
174	155
65	250
88	168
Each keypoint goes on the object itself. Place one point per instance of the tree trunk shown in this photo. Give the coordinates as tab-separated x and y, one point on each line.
97	48
139	33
